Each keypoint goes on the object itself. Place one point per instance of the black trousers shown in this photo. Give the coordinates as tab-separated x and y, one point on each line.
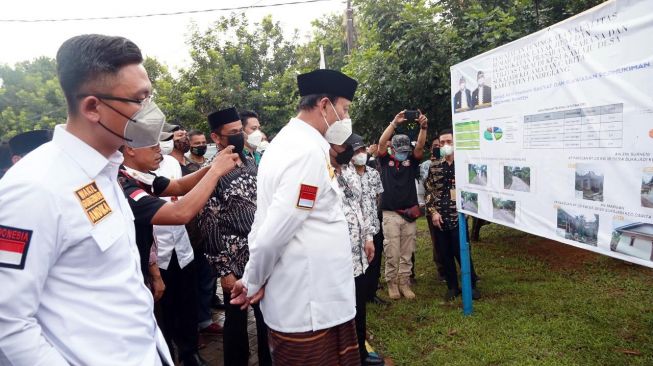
236	338
373	272
436	256
361	314
178	310
448	247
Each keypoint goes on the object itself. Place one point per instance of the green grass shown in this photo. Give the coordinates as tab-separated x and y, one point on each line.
535	310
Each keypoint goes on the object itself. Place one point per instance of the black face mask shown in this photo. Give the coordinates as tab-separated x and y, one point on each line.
435	152
182	145
345	156
238	142
198	150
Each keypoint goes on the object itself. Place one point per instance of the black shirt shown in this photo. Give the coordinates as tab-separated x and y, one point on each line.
144	205
398	178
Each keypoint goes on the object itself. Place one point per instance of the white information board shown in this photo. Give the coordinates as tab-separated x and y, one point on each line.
553	133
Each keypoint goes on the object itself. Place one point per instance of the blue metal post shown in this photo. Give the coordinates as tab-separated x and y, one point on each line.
466	276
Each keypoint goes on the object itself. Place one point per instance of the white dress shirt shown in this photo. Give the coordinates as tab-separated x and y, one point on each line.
299	245
80	298
172	237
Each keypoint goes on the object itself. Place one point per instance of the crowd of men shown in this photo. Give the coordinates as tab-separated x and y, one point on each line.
115	234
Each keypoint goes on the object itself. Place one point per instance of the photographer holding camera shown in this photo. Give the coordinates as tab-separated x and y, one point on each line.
399	169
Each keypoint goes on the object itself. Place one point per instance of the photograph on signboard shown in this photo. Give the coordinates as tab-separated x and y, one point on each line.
647	188
472	89
477	174
469	201
632	238
577	226
589	182
517	178
504	210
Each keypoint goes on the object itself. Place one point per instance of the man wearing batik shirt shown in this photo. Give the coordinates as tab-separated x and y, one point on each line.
441	207
225	224
361	233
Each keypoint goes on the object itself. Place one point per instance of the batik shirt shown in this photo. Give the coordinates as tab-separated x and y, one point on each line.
360	229
372	187
227	217
439	185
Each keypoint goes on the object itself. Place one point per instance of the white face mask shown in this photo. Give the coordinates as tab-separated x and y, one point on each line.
254	139
360	159
446	150
167	147
338	132
262	146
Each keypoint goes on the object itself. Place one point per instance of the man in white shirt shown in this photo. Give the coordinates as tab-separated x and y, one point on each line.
300	250
75	293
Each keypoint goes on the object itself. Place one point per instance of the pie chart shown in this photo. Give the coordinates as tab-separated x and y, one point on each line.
493	134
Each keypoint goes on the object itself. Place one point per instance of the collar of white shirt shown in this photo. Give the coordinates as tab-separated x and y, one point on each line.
88	159
309	130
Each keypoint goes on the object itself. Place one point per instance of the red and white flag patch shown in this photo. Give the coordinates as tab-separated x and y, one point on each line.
13	246
138	194
307	196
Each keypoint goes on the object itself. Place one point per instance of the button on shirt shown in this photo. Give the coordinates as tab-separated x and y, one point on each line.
172	237
299	243
80	298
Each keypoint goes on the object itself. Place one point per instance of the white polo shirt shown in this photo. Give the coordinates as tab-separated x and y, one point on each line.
299	244
172	237
72	290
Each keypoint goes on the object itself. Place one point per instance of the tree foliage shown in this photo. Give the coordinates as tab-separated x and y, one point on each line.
402	60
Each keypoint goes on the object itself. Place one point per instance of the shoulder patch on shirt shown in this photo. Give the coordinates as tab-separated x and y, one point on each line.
405	163
138	194
93	202
14	243
391	163
307	197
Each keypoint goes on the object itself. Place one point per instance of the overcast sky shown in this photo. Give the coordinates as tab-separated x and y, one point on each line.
162	37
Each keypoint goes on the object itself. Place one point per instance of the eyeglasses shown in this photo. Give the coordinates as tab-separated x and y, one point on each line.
142	102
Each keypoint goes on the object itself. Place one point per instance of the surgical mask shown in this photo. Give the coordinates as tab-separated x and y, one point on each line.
198	150
182	145
344	157
338	132
360	159
263	146
254	139
143	128
481	81
446	150
166	147
462	87
401	156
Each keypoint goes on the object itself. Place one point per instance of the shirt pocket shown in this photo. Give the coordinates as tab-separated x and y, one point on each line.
106	232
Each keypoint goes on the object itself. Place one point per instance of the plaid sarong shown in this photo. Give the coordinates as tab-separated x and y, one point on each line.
328	347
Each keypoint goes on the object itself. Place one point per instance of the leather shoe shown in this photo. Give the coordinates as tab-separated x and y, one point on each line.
451	294
378	301
476	294
193	360
373	360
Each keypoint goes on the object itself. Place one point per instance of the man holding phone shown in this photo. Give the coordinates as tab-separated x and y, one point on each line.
399	170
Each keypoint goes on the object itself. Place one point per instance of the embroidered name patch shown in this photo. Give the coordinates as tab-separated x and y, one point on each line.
13	246
93	202
307	196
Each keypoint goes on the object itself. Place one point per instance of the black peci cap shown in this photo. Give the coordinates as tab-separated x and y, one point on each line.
24	143
325	81
5	156
222	117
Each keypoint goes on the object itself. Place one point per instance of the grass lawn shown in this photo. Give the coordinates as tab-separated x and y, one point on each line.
544	303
